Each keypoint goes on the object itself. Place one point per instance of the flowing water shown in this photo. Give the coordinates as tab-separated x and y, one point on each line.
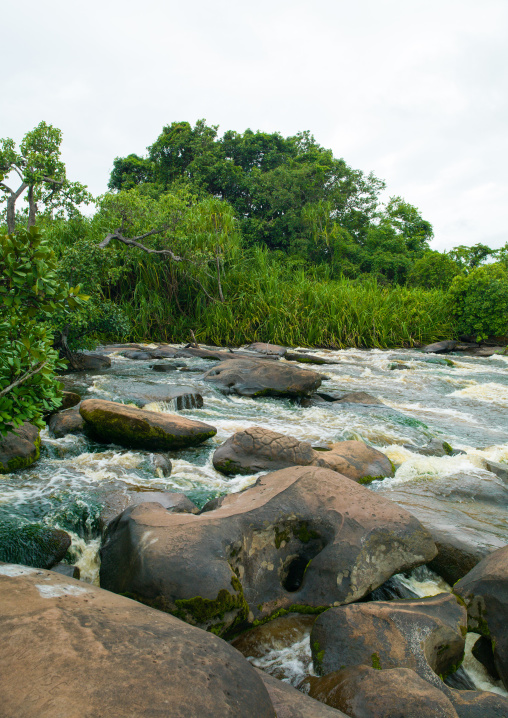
460	400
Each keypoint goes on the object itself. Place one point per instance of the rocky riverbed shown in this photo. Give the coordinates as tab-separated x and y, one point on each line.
423	431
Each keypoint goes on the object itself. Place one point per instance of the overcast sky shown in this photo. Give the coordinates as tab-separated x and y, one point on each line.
413	90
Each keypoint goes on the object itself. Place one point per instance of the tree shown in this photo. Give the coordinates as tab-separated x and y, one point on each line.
479	301
470	257
30	294
41	172
434	271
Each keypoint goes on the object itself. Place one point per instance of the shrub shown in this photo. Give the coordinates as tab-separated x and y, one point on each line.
479	301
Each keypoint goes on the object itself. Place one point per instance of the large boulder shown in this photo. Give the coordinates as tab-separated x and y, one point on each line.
257	449
20	448
66	422
443	347
270	349
303	536
88	362
485	592
259	377
117	501
424	634
364	692
71	649
128	426
291	703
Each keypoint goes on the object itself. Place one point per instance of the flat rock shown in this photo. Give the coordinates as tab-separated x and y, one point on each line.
258	377
72	649
270	349
66	422
485	592
301	536
440	347
137	355
423	634
358	397
257	449
364	692
132	427
308	358
19	448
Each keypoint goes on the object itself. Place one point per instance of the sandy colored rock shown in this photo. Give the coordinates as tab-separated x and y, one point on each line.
291	703
70	649
132	427
301	536
258	449
259	377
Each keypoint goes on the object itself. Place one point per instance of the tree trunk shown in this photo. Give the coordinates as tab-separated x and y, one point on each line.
11	213
32	211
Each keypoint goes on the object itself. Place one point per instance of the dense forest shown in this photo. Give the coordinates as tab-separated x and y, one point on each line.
244	237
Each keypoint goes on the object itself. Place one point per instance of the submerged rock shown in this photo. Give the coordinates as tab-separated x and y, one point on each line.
364	692
258	377
485	592
20	448
131	427
32	544
114	657
257	449
424	634
303	536
358	397
308	358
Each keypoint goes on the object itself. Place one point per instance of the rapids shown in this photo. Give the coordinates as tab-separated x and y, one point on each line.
460	400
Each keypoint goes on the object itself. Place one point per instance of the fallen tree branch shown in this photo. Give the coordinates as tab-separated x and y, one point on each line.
25	377
134	242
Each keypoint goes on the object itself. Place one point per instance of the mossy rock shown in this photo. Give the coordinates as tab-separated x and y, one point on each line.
20	448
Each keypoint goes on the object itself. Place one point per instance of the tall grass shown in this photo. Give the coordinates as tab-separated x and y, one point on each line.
267	300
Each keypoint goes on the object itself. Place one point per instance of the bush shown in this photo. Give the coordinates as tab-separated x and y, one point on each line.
479	301
30	294
433	271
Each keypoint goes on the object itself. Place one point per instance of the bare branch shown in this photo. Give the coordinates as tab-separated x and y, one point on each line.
134	242
21	380
4	186
53	181
18	171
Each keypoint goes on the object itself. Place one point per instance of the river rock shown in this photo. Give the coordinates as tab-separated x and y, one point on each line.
363	692
131	427
258	377
32	544
257	449
20	448
66	422
181	396
485	592
163	352
358	397
137	355
483	652
88	362
291	703
270	349
72	649
440	347
424	634
435	447
301	536
69	399
308	358
163	464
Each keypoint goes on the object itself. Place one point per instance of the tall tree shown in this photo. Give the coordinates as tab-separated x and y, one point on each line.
40	172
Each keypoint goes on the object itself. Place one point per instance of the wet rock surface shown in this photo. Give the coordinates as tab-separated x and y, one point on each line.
129	426
440	347
291	703
20	448
32	544
258	377
88	362
119	658
65	422
257	449
301	536
485	592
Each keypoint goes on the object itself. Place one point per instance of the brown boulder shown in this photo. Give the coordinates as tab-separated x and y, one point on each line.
88	362
131	427
302	536
270	349
20	448
65	422
71	649
290	703
424	634
259	377
364	692
117	501
257	449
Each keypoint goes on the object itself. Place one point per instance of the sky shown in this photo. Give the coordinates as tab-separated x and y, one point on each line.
412	90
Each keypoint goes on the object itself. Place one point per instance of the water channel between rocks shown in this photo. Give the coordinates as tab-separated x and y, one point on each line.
460	400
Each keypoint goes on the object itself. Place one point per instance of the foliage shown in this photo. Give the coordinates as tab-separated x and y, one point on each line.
30	294
39	167
470	257
433	271
479	301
